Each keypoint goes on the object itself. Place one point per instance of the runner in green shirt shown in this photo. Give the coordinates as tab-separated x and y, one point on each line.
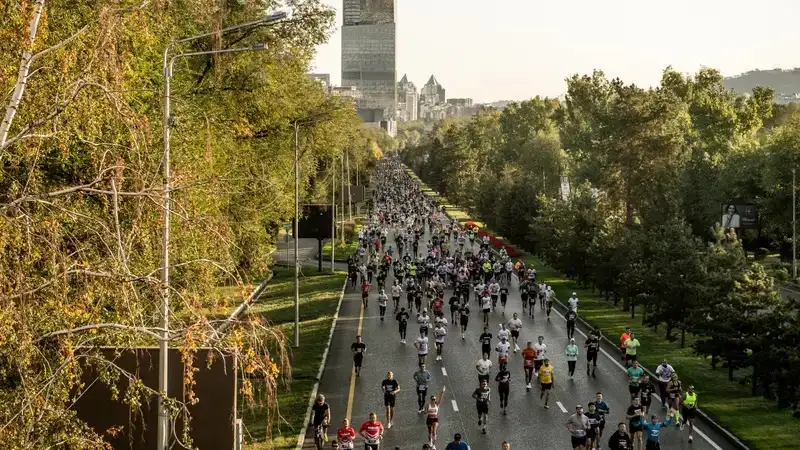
634	374
631	347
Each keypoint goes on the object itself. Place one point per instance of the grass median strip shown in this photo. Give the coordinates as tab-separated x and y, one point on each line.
319	297
753	419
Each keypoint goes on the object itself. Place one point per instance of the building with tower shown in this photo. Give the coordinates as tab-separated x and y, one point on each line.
369	57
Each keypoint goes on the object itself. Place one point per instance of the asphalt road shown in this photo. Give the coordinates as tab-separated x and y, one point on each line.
528	424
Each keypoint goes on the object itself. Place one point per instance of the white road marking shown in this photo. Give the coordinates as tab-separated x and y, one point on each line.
455	405
444	371
563	410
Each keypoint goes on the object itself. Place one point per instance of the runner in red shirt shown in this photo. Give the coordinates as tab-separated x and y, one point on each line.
365	287
346	435
437	306
528	355
372	432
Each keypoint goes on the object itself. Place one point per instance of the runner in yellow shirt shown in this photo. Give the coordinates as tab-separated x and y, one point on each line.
546	376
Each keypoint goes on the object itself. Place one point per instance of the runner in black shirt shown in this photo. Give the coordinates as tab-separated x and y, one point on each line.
454	304
390	388
463	312
646	391
503	379
358	348
504	296
592	349
402	320
571	317
486	341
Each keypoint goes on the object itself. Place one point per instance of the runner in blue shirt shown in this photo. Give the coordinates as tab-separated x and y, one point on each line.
653	430
457	444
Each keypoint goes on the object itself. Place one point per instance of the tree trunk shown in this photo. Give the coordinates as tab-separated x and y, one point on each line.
22	76
754	383
683	336
714	361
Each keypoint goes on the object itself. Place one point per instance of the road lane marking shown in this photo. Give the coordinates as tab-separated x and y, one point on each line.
444	371
455	405
561	406
352	392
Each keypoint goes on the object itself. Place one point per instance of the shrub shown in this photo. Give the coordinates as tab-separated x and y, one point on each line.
781	274
760	253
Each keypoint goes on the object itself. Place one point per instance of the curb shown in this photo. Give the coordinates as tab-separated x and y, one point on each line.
302	434
730	437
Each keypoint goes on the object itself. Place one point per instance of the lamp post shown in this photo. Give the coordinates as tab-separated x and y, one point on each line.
163	346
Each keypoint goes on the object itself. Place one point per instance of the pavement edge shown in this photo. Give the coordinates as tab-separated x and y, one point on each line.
302	434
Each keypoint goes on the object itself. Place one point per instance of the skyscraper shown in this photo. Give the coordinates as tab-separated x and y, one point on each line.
368	56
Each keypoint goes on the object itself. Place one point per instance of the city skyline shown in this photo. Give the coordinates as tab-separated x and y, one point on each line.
475	51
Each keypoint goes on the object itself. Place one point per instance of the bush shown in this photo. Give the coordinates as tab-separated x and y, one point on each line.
781	274
760	253
495	241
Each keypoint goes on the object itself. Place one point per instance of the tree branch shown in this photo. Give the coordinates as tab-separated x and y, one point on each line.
100	326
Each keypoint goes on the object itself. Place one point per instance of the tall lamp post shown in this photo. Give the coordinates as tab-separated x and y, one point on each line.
163	346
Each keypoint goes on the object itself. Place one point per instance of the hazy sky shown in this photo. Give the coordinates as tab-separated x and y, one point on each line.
516	49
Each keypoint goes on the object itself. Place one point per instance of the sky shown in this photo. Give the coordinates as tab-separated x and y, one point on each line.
517	49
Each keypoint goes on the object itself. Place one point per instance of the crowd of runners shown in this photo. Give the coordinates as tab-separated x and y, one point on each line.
454	267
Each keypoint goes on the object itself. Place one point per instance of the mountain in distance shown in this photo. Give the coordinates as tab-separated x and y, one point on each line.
785	83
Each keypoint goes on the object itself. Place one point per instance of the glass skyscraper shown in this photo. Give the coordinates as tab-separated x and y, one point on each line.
368	56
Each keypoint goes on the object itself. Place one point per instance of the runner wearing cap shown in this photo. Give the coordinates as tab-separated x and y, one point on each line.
457	443
689	410
578	426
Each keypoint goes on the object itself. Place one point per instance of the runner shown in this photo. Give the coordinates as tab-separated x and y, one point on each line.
321	415
503	379
432	420
631	347
592	346
345	436
548	301
664	372
578	426
593	434
463	312
486	341
390	388
422	378
483	366
372	432
635	373
674	393
457	444
653	430
622	339
494	292
572	302
546	380
571	317
382	300
572	357
358	348
396	291
454	303
541	351
621	439
365	286
502	352
402	321
486	306
646	391
504	295
528	358
482	396
422	347
424	321
603	410
636	417
439	333
503	332
515	325
689	410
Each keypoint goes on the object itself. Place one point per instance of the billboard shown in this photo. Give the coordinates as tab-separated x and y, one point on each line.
738	215
316	222
357	191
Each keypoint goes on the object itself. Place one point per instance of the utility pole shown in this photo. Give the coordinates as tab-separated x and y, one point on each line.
341	211
349	193
333	215
296	234
794	229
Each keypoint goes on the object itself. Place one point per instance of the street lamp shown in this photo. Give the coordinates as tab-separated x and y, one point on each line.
163	346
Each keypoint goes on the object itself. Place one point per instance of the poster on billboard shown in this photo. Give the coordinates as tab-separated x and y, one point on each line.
738	215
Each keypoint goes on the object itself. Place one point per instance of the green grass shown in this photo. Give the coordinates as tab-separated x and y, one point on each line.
343	252
319	297
753	419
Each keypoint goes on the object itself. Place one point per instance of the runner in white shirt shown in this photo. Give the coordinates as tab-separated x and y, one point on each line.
502	352
541	353
422	348
573	302
440	320
382	299
515	325
509	270
503	332
396	291
424	321
439	333
484	366
486	306
494	291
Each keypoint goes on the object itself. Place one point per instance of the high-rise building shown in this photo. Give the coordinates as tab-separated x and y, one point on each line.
368	56
407	100
433	92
